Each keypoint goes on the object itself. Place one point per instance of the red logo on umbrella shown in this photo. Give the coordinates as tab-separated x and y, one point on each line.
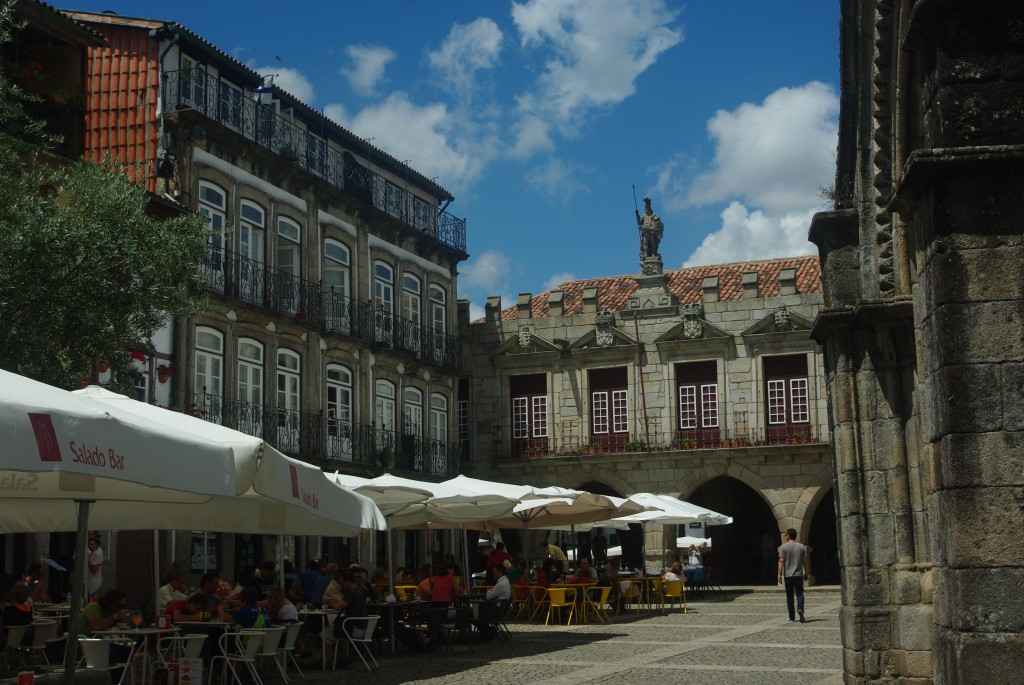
46	437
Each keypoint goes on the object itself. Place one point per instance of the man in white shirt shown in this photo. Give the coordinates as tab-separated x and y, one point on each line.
94	560
175	589
501	589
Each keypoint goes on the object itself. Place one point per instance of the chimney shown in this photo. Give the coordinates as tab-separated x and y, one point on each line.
492	309
749	285
524	306
556	303
787	281
590	300
710	287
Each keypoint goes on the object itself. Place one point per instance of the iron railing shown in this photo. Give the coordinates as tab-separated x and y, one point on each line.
330	442
680	440
221	101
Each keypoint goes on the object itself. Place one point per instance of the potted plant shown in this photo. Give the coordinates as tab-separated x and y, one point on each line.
164	372
139	356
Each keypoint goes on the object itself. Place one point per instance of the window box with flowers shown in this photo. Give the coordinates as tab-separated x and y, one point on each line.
164	372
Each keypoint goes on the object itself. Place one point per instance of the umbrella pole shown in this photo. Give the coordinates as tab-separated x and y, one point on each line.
391	586
467	577
206	547
156	569
280	560
77	590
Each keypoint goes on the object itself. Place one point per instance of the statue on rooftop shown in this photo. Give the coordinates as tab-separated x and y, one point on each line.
651	230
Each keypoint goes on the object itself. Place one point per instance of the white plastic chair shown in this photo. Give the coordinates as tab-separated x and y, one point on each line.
366	640
237	649
287	650
175	647
45	631
96	652
15	636
269	645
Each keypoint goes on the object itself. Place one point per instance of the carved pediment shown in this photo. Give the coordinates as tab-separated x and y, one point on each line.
779	320
590	339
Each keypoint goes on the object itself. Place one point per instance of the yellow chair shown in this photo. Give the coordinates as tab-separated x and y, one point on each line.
596	598
559	598
539	598
628	590
675	590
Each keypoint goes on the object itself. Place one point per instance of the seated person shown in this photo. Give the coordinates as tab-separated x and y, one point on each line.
344	596
191	609
442	586
611	571
36	584
175	589
585	573
502	589
674	573
549	573
279	607
19	613
423	588
111	608
250	615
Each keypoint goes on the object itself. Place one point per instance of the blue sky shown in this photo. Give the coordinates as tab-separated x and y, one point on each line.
540	115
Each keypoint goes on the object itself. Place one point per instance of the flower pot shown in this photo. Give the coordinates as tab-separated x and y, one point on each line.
163	377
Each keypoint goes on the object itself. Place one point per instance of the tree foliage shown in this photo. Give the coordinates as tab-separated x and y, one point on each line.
85	273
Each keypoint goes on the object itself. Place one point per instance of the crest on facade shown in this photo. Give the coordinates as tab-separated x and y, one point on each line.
693	327
605	329
525	337
783	321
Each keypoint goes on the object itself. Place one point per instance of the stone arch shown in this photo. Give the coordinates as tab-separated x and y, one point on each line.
822	537
589	474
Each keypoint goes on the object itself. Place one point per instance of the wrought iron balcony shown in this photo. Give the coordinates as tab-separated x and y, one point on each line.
224	103
696	439
256	283
327	441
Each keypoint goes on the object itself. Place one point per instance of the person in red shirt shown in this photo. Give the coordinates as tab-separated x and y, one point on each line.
496	558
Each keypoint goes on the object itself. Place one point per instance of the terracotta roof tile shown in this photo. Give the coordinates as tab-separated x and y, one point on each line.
686	284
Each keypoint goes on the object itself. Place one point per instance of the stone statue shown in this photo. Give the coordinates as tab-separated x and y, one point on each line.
651	230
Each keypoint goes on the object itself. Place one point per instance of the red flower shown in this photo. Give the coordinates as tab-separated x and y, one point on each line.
139	356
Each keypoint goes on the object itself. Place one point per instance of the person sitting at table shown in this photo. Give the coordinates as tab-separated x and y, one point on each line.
442	586
585	573
191	609
611	570
110	609
344	596
425	584
549	573
674	573
174	589
250	615
36	584
279	607
19	613
209	583
362	578
502	589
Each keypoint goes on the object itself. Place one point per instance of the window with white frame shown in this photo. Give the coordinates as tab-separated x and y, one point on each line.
192	84
209	365
697	404
213	207
316	154
383	286
339	412
787	400
251	248
439	417
438	311
337	274
250	371
384	406
289	394
609	407
412	410
289	251
411	298
230	105
529	413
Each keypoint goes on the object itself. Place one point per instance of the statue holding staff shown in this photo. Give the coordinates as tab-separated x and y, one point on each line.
651	230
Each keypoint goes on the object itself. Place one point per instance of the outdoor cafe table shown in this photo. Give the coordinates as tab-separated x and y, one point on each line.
324	617
391	611
581	597
144	633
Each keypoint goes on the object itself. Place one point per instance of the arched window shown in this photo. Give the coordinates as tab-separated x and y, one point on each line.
412	410
251	250
289	250
213	207
383	303
337	275
339	412
384	407
411	312
438	311
250	371
288	400
439	417
209	376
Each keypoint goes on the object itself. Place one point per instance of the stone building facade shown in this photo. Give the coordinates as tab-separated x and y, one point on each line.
700	382
923	261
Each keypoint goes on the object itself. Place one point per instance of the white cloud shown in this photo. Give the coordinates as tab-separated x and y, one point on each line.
558	279
429	135
468	50
600	48
367	69
558	179
291	80
487	273
747	235
773	155
532	135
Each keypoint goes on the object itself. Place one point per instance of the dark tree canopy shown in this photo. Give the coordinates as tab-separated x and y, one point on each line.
85	273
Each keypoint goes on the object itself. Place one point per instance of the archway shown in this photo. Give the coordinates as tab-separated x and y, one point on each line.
631	540
824	542
745	550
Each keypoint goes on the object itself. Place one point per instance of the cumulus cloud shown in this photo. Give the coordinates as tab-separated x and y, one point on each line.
532	134
487	273
558	279
291	80
747	235
468	50
600	48
773	155
367	68
558	179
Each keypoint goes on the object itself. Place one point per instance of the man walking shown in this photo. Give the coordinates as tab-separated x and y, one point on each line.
793	566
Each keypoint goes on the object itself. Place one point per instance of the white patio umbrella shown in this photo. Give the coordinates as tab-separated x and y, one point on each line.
64	448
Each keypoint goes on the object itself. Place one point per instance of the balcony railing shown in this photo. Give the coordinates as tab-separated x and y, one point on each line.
330	442
218	100
680	440
246	279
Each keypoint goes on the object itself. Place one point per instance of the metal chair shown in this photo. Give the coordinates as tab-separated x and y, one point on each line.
287	649
560	598
238	649
628	590
370	626
596	598
171	648
675	590
501	630
268	648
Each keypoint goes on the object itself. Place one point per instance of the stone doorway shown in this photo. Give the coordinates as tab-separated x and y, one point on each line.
744	551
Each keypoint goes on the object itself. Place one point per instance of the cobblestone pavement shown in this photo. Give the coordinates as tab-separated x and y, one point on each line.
744	639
